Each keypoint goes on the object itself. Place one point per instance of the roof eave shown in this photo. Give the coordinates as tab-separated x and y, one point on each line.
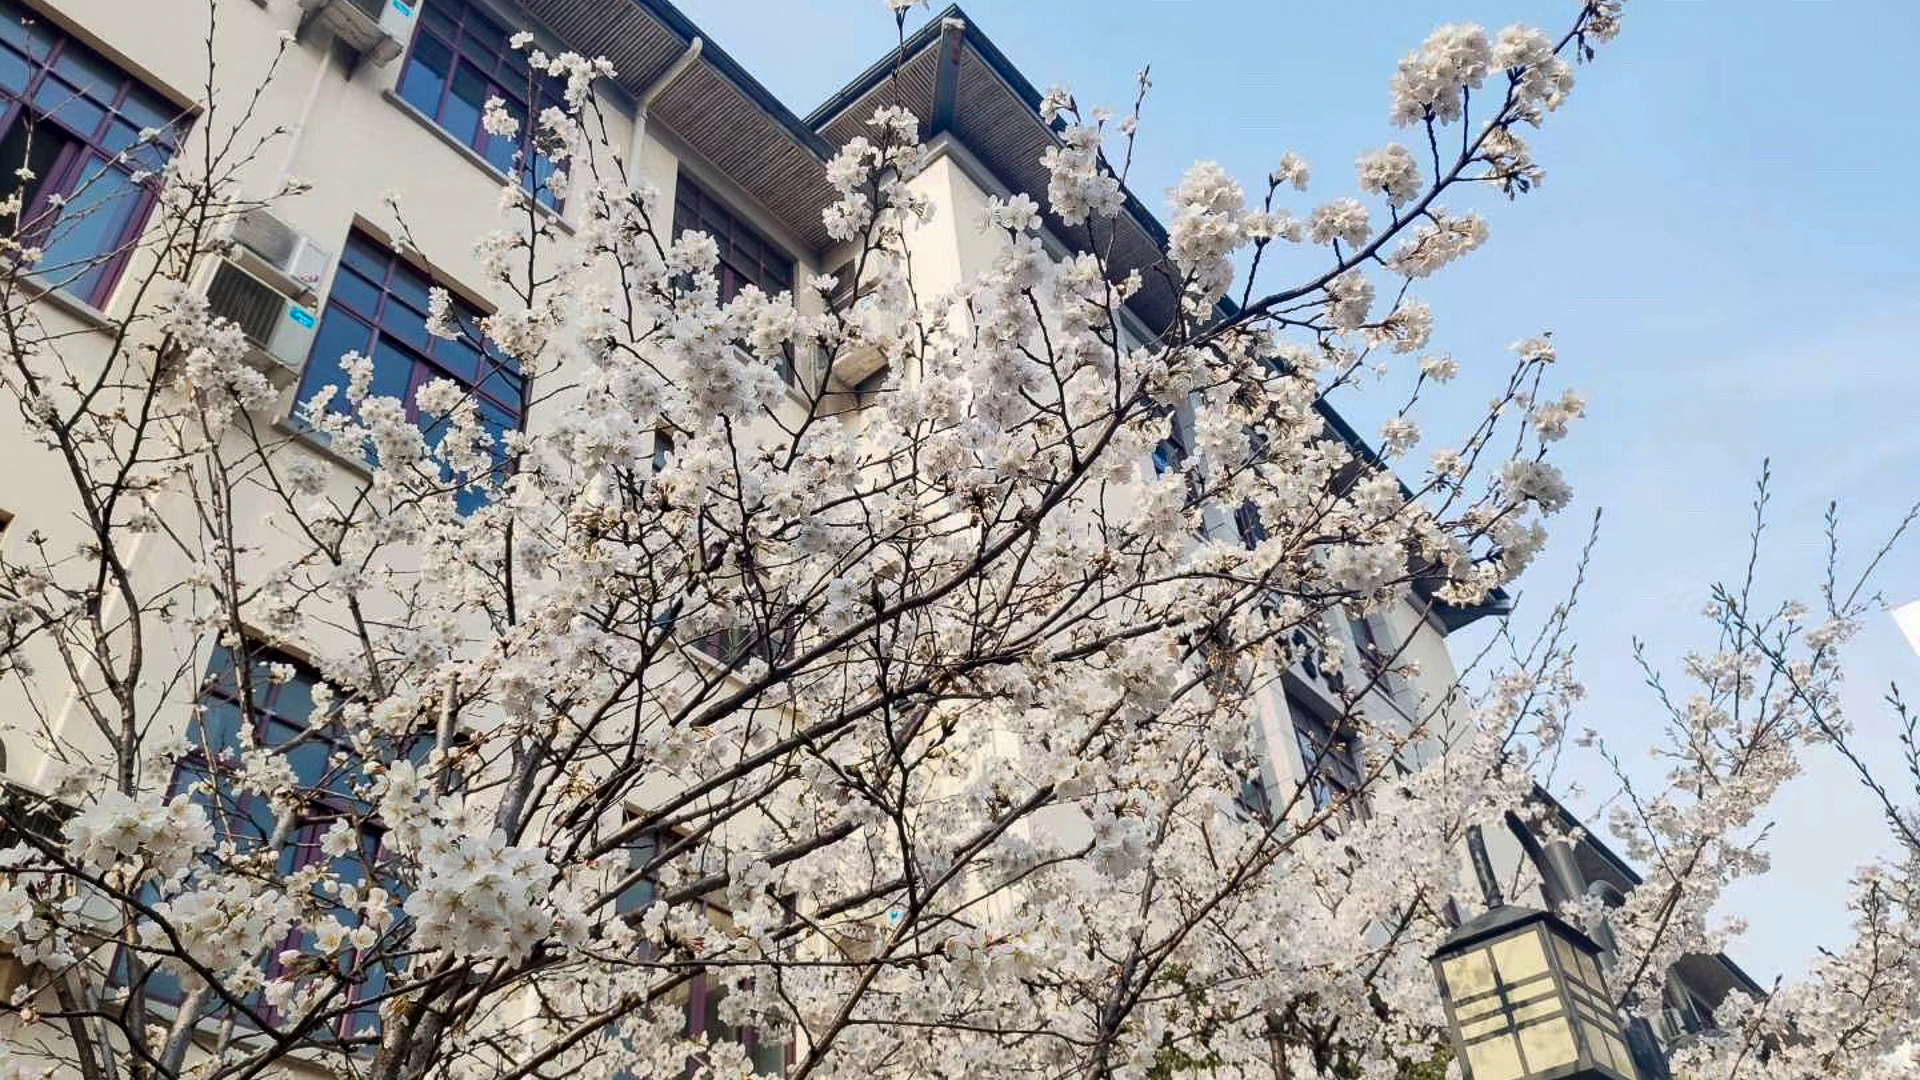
684	28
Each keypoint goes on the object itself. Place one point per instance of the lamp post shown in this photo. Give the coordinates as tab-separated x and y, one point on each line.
1524	993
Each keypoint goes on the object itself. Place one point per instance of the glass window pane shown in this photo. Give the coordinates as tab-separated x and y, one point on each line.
392	371
460	114
14	70
120	135
159	984
90	228
769	1055
355	292
26	31
373	983
294	854
500	152
408	326
61	103
220	670
426	74
90	74
294	700
248	820
542	171
485	36
148	157
410	287
508	383
497	420
461	359
440	15
340	333
37	150
145	109
366	256
308	756
217	731
514	69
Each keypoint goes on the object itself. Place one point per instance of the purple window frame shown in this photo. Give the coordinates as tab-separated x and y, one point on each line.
470	37
92	82
221	688
384	296
699	997
747	257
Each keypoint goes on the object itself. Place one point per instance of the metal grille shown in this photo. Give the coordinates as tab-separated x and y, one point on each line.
252	304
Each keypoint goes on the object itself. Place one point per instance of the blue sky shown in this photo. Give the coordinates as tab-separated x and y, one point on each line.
1725	249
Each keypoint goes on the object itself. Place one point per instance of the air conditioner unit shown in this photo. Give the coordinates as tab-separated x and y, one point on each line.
275	250
280	328
378	30
856	363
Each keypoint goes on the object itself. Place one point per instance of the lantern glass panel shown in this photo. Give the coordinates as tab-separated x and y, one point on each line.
1495	1059
1519	958
1548	1045
1469	975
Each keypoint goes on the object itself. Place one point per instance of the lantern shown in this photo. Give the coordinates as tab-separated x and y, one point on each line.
1526	1000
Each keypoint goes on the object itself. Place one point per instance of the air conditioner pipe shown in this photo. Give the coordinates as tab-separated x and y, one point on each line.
296	134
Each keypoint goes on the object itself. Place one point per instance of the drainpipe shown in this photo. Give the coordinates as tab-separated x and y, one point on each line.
646	96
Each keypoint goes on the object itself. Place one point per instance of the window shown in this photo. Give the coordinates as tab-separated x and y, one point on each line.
1371	657
1376	658
743	641
746	257
662	447
1254	799
1328	752
460	58
1246	522
325	767
635	899
72	150
768	1054
1316	663
1171	451
378	308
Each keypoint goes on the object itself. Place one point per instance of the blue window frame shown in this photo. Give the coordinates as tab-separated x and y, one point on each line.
74	120
460	58
378	307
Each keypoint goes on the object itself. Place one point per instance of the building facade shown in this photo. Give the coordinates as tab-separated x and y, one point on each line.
383	102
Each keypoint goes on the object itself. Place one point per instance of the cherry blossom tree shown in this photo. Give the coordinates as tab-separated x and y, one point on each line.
908	730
